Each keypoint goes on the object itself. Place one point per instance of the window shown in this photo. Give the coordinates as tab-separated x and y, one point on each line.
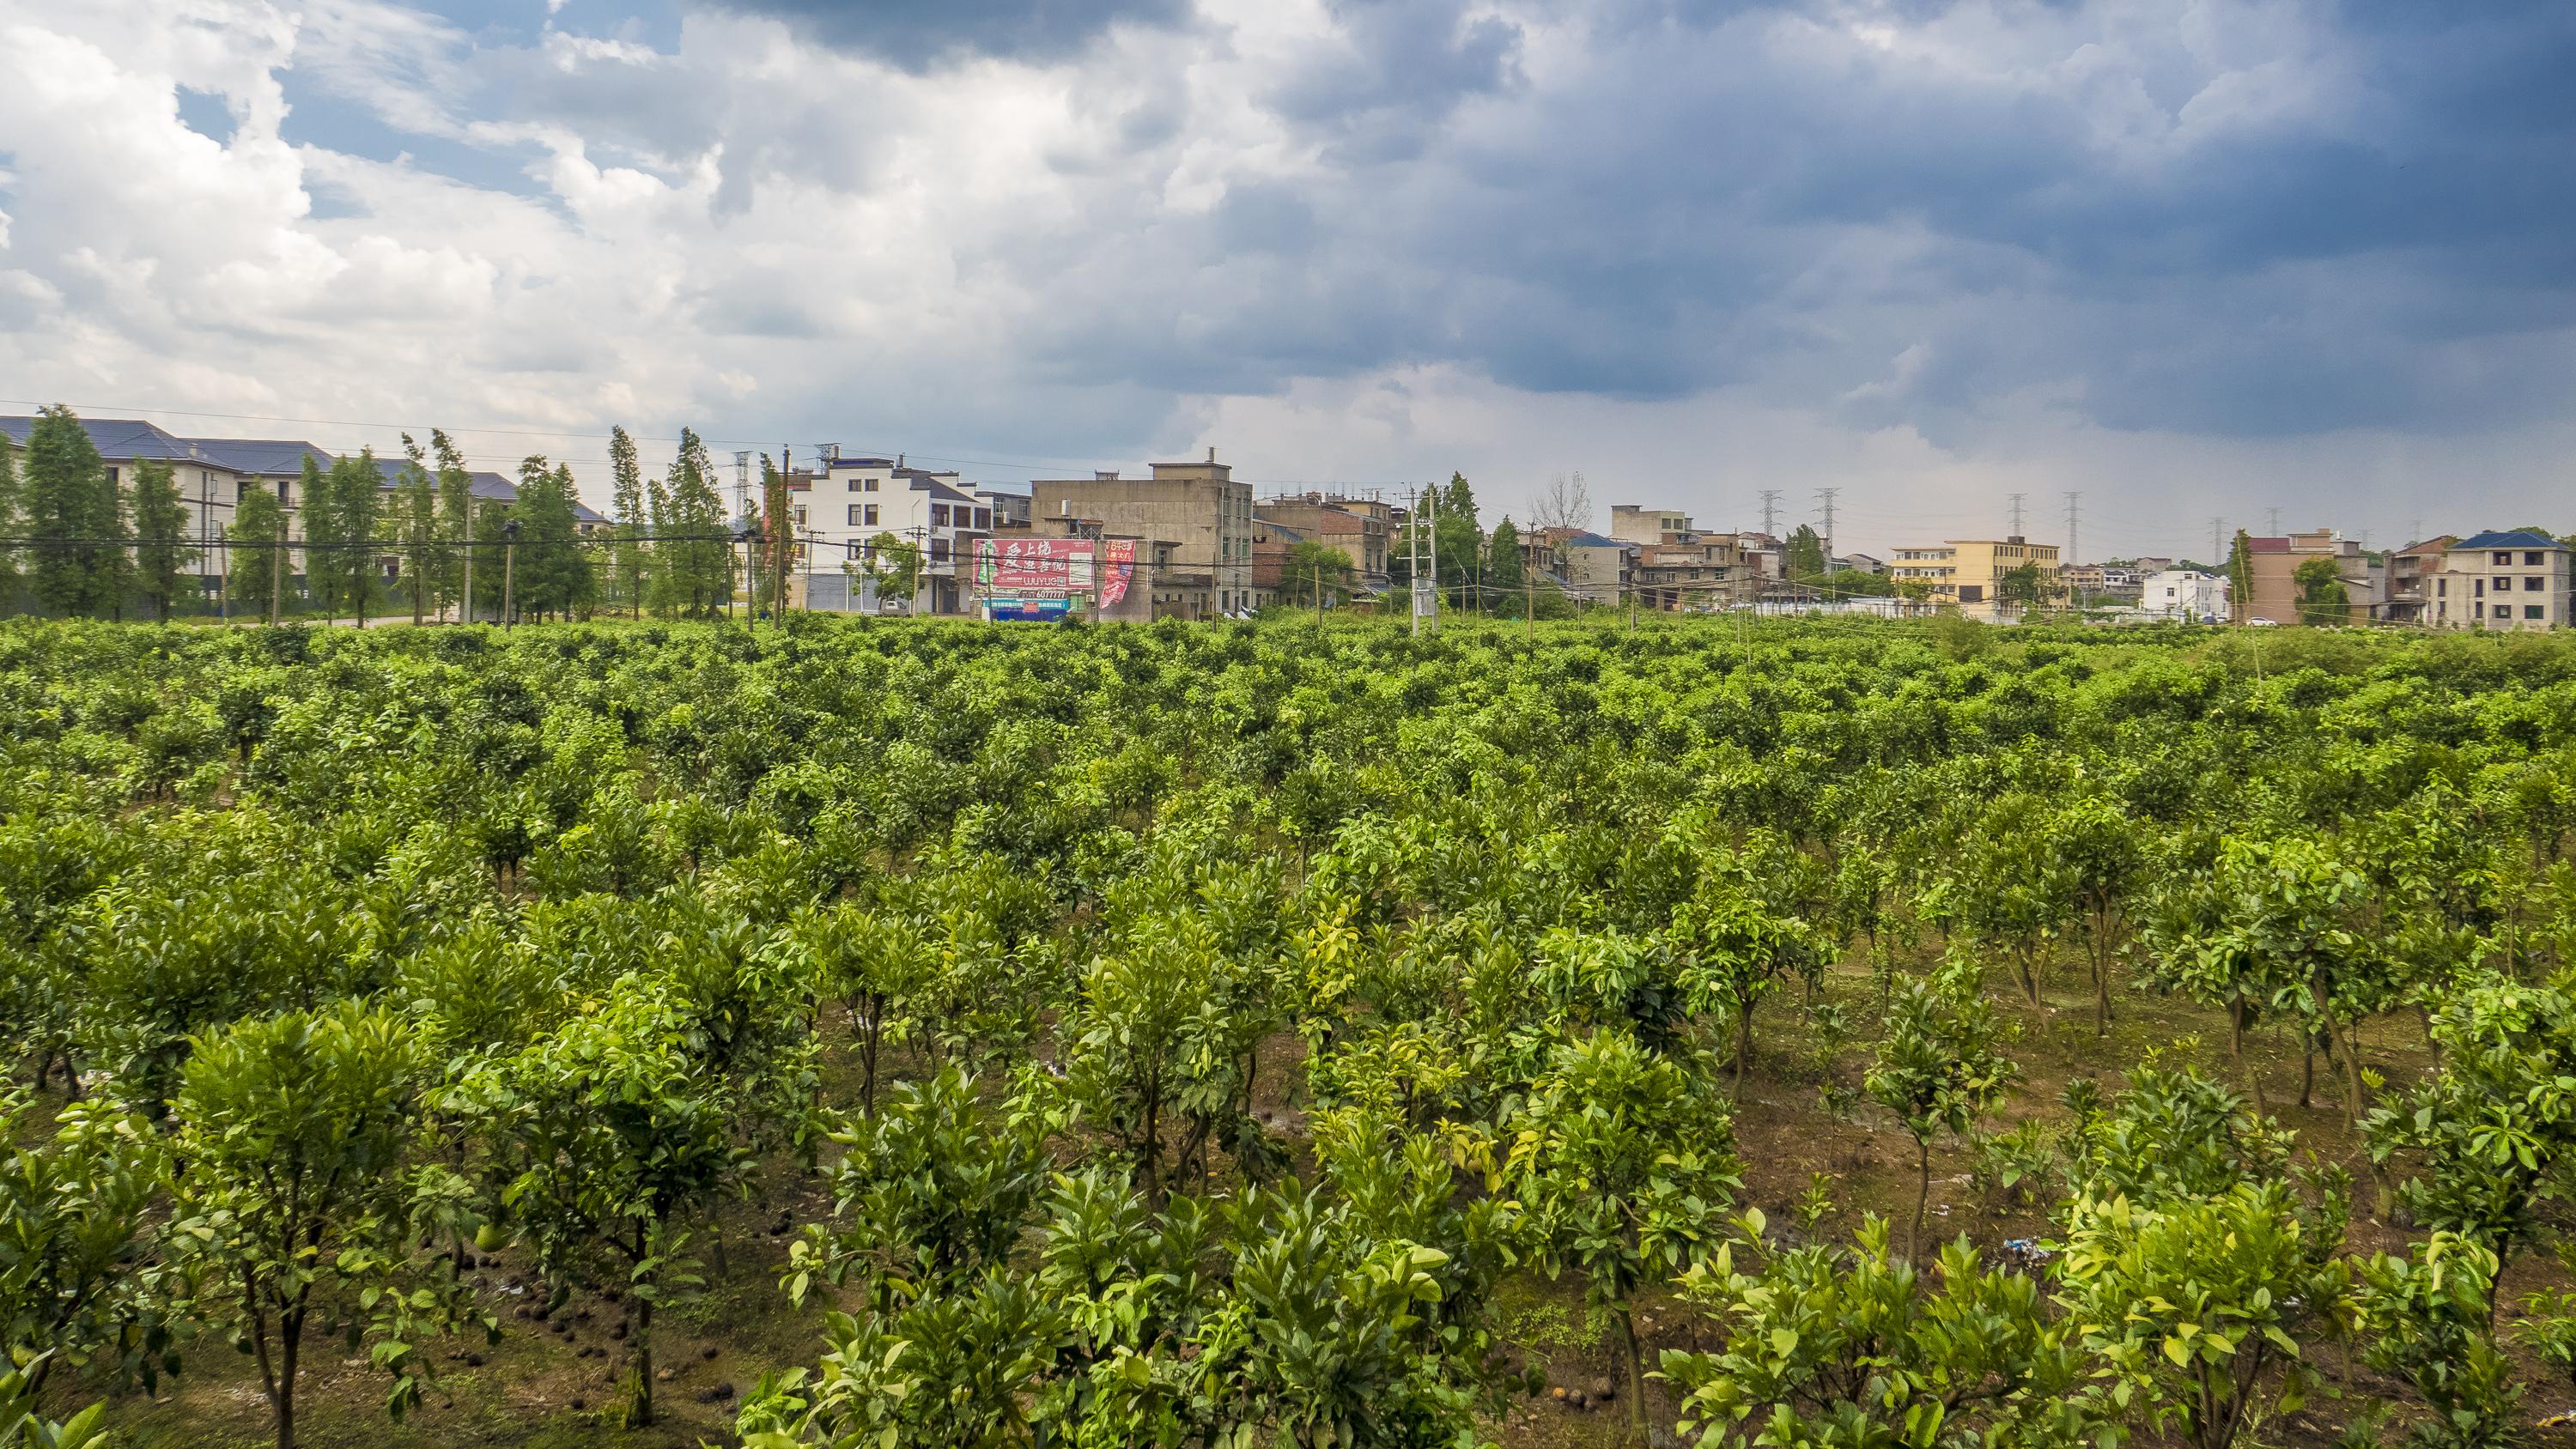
851	482
2477	611
855	519
939	550
939	515
800	517
2442	587
2531	560
2505	559
241	490
2532	611
868	514
111	477
983	518
2482	588
868	485
2534	586
286	492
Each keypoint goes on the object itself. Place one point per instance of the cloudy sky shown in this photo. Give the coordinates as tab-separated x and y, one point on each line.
2194	258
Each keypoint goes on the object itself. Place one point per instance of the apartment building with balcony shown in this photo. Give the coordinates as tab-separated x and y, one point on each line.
2513	579
1968	573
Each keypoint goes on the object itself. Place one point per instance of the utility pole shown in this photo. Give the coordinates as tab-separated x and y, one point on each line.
277	576
2073	497
465	605
1413	555
2016	498
509	563
1827	494
1770	506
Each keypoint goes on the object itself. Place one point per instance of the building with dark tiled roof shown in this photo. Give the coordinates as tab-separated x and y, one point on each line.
215	474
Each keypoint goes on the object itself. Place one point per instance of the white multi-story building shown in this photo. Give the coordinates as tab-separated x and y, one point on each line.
2510	580
854	500
2187	595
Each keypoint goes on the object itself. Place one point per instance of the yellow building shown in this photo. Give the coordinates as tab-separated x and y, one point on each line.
1968	573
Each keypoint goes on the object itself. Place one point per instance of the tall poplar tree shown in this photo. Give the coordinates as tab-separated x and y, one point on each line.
8	520
626	553
317	507
415	527
160	535
76	528
455	519
259	521
693	561
553	575
346	568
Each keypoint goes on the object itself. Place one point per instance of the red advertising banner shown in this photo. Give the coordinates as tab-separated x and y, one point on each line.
1039	564
1055	566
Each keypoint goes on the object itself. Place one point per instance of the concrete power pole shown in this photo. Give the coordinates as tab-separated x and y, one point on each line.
2073	498
1827	495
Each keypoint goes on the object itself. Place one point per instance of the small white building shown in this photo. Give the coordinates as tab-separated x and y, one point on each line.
853	500
2187	595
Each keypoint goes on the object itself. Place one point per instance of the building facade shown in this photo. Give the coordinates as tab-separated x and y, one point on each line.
1196	507
855	500
2501	580
2272	569
2185	596
1361	530
1968	573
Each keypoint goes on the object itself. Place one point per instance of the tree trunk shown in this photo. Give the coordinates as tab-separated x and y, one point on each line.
1922	1199
1635	1356
290	1348
637	1409
2101	994
2236	1014
1743	1043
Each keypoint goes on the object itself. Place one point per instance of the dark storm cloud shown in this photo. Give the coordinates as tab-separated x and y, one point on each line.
2392	255
918	33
